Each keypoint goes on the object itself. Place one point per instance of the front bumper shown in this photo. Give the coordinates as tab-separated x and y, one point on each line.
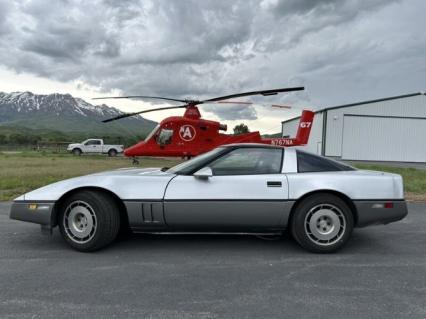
33	212
373	212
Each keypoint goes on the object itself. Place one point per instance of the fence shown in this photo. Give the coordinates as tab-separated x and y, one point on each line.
59	147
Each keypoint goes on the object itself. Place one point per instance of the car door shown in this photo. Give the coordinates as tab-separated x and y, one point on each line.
97	146
93	146
246	192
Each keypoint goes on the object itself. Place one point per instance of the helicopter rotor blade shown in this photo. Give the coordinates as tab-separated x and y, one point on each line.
216	99
220	99
263	93
282	106
122	116
232	102
141	97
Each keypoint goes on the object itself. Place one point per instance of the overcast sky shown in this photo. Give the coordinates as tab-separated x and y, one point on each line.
341	51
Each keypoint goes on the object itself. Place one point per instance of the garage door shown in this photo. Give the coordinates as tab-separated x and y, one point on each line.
379	138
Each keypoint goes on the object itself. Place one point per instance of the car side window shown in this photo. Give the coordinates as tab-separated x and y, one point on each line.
164	137
248	161
309	163
93	142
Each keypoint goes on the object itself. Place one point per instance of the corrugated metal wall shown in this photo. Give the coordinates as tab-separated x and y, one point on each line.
366	134
414	106
384	139
315	139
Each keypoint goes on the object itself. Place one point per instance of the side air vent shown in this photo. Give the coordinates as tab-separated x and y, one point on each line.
152	212
145	214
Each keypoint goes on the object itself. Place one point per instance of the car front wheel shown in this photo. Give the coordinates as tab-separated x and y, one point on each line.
322	223
89	220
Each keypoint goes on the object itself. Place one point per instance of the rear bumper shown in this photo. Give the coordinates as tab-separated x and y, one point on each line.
372	212
33	212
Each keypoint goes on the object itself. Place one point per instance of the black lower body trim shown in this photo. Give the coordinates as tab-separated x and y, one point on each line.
373	212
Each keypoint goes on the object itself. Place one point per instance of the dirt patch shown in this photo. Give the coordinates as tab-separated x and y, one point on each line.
415	197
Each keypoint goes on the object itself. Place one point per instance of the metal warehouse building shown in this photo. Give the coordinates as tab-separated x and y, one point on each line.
389	129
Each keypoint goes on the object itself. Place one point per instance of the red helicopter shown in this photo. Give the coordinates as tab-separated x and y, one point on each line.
190	135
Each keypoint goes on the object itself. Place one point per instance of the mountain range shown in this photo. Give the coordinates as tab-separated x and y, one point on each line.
66	114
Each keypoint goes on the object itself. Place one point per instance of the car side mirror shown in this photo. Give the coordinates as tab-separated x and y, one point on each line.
204	173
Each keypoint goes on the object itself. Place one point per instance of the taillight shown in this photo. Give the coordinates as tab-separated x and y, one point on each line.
383	205
388	205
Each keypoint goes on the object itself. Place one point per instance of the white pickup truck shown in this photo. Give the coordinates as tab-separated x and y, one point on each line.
94	146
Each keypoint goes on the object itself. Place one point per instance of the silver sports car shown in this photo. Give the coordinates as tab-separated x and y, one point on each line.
239	188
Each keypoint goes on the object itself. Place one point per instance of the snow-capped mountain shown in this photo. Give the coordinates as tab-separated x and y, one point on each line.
27	102
63	112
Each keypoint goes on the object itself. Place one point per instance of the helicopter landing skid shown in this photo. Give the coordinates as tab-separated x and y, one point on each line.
135	161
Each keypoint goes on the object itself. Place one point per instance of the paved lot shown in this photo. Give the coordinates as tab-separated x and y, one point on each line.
380	274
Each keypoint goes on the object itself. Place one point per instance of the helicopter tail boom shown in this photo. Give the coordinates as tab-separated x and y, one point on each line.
302	135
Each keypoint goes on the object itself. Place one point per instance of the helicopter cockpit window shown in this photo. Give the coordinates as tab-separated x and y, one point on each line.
164	137
150	135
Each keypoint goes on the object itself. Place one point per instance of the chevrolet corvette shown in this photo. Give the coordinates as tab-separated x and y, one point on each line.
240	189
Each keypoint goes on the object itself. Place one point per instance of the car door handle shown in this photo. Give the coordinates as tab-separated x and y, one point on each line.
274	184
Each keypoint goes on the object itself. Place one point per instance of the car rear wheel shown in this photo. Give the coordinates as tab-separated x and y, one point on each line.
112	153
89	220
76	152
322	223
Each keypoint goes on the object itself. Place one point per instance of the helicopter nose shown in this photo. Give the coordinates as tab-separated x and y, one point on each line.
133	150
129	152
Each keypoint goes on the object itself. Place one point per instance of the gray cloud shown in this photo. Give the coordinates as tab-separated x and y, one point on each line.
342	51
4	11
232	112
341	8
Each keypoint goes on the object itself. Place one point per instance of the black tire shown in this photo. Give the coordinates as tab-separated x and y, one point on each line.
112	152
322	223
76	152
96	213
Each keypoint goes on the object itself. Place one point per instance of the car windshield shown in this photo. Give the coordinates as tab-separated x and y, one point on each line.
189	166
152	133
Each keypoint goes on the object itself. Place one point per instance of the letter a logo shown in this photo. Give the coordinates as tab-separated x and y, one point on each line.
187	132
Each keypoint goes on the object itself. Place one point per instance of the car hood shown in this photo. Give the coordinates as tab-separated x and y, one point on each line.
127	184
131	171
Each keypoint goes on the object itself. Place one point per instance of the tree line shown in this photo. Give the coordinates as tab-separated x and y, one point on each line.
30	139
18	136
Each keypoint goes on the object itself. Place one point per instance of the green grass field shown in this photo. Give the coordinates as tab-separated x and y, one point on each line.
24	171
